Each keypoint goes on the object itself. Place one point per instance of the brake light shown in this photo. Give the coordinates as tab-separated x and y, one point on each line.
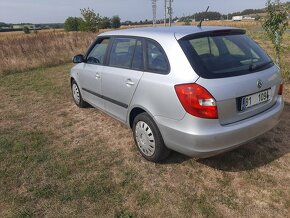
280	92
197	101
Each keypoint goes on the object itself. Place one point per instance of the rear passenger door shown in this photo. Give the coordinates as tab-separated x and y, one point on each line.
121	74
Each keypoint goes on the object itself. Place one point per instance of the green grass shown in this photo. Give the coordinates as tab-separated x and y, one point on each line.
58	160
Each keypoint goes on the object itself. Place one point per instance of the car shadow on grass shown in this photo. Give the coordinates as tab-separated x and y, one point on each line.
262	151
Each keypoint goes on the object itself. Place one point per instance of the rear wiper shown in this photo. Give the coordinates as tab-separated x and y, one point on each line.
254	67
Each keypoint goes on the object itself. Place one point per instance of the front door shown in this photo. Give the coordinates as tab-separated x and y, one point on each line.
91	75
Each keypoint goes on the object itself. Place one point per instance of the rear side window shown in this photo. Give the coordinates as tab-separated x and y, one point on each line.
98	52
122	52
156	59
218	56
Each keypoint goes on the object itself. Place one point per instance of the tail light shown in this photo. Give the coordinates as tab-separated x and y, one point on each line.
197	101
280	92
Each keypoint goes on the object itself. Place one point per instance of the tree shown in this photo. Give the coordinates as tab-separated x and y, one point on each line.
26	30
73	24
275	25
91	20
105	23
208	15
4	24
115	22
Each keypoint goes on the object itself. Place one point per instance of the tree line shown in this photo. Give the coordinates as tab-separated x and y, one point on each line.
213	15
91	22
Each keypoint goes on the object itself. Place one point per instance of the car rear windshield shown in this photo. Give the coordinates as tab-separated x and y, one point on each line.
224	54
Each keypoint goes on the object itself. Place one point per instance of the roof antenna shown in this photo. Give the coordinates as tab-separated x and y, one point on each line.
199	25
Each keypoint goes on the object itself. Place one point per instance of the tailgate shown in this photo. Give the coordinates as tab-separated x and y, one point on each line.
231	91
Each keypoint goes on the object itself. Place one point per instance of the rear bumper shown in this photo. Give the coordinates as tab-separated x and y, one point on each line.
202	138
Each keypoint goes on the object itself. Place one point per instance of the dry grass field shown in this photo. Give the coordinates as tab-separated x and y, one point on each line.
262	40
19	51
57	160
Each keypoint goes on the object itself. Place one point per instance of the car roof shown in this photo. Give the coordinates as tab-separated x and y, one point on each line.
157	32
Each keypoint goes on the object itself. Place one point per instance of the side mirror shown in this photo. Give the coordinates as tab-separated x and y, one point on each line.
78	59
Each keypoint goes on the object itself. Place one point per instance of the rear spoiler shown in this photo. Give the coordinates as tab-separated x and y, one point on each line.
220	32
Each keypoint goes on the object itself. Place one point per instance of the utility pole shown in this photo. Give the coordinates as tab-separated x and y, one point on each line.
168	10
154	9
165	12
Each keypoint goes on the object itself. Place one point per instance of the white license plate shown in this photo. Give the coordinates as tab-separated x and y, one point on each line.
254	99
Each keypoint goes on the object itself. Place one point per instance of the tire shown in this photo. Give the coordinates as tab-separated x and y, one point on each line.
77	96
148	139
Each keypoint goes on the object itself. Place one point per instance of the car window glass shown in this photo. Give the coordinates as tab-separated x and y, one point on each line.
122	52
255	55
231	55
156	60
232	47
97	54
205	46
138	63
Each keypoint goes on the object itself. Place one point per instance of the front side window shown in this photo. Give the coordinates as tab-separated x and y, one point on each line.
217	56
122	52
97	54
156	59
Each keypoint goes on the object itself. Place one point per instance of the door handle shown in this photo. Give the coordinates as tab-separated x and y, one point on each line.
129	83
98	76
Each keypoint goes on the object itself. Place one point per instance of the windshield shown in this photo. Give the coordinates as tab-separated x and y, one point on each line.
216	56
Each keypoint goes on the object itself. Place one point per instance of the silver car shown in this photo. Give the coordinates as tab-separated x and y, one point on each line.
197	91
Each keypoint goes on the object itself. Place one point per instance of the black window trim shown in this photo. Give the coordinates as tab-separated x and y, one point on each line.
168	70
142	41
144	45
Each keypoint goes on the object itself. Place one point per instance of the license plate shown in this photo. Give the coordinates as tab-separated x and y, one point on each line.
255	99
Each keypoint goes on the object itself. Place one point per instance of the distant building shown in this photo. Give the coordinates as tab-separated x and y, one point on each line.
237	18
248	18
240	18
21	26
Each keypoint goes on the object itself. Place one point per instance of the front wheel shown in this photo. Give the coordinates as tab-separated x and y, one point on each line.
77	96
148	139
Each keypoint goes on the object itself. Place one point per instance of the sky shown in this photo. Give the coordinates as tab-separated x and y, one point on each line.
56	11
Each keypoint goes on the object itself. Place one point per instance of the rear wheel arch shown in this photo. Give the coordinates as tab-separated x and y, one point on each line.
134	113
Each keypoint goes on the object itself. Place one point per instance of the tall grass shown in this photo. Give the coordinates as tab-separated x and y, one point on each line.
19	52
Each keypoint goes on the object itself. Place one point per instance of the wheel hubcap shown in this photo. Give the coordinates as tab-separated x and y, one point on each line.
145	138
76	93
